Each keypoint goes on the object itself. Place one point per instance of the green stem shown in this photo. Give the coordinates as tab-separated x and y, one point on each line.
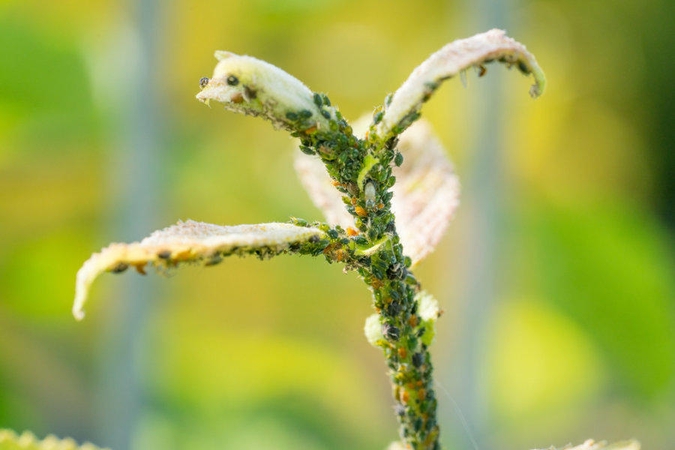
361	170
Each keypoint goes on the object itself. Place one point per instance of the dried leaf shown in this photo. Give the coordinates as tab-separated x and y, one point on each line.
452	59
188	242
9	440
426	192
592	445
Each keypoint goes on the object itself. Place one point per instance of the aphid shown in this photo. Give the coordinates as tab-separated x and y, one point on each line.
307	150
249	94
417	359
312	129
404	397
417	424
325	114
352	231
119	268
398	159
387	99
232	80
360	240
203	81
394	309
164	254
523	68
481	70
215	259
360	211
326	151
370	192
318	100
391	332
377	117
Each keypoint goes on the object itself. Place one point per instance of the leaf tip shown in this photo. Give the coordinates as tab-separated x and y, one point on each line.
78	311
537	89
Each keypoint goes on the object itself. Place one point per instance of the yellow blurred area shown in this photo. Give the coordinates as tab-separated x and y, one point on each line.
98	116
543	363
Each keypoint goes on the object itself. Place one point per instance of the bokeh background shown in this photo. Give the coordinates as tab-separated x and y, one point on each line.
557	276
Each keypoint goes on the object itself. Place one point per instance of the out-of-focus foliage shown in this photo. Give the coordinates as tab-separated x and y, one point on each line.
272	354
27	441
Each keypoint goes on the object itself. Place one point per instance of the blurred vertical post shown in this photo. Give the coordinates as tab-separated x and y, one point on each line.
135	167
481	207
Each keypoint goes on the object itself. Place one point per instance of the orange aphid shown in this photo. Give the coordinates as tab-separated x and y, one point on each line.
360	211
340	255
404	397
352	231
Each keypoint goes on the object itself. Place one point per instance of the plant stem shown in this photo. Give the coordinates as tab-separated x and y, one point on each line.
361	170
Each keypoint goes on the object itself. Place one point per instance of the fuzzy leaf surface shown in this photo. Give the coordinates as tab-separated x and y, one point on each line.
189	242
449	61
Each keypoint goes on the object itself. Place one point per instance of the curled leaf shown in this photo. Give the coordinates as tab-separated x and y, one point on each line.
452	59
9	440
248	85
590	444
189	242
426	192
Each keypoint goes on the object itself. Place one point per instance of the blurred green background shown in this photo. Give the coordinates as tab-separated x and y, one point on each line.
557	276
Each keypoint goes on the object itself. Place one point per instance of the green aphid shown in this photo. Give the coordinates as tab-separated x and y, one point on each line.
318	101
307	151
377	117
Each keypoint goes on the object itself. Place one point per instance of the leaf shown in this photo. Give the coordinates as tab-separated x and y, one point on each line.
426	192
189	242
452	59
250	86
9	440
592	445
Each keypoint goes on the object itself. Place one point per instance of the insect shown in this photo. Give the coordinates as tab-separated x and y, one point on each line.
203	81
